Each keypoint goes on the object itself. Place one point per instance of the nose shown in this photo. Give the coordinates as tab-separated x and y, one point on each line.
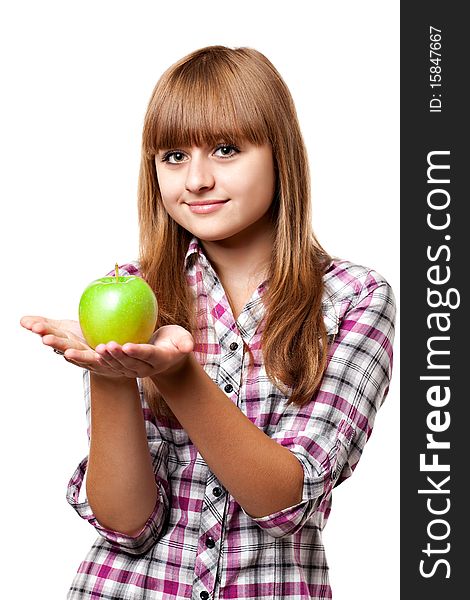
199	176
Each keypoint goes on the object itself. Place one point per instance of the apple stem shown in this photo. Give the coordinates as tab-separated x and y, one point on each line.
116	271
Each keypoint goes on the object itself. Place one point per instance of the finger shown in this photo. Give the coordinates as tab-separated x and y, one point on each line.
144	353
91	361
29	320
61	343
76	363
182	343
96	367
114	355
162	354
185	343
56	328
47	326
106	357
178	337
86	356
88	359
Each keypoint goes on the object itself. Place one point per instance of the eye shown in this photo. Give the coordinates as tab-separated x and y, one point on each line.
227	150
173	157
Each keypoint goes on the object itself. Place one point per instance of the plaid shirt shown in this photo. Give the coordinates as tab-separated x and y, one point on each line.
199	543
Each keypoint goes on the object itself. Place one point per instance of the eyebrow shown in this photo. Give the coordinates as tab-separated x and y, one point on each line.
228	142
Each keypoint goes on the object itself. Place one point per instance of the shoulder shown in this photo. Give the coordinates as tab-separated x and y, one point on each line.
344	278
347	284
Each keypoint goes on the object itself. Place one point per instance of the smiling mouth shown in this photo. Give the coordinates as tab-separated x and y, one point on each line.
206	202
202	208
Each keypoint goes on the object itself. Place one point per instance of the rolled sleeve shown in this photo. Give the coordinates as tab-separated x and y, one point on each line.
322	460
155	524
328	434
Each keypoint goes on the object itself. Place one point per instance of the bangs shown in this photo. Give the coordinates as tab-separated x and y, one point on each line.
204	102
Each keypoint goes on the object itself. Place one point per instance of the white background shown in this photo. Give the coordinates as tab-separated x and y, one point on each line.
76	79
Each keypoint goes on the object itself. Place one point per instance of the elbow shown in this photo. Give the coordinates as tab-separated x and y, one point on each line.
127	516
289	521
277	502
290	495
132	527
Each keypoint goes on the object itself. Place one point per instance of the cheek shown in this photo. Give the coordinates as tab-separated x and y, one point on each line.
261	184
255	181
169	189
169	199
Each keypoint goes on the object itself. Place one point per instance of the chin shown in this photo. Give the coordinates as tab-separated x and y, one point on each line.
208	237
209	234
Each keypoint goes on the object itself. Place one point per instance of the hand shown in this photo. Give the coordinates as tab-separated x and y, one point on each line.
60	335
166	352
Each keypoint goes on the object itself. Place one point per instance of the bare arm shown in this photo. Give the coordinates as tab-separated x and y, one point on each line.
260	474
121	487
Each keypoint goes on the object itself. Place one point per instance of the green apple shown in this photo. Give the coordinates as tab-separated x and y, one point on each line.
119	309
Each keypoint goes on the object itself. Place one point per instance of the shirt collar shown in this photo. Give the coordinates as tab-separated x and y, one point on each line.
195	251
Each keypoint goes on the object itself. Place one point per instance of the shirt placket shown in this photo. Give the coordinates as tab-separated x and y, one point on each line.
216	498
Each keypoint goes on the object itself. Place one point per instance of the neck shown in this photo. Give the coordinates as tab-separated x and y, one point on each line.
245	257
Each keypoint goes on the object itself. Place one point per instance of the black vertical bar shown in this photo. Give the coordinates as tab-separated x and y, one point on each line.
435	356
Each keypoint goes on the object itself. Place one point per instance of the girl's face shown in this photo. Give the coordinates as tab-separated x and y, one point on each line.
217	192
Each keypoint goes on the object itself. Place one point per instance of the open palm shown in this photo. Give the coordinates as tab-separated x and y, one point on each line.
166	351
59	334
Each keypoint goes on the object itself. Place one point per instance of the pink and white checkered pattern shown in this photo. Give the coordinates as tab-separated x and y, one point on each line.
199	543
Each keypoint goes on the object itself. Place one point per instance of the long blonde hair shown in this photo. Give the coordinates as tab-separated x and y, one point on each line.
219	93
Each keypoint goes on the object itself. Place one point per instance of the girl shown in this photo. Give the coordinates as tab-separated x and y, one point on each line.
214	449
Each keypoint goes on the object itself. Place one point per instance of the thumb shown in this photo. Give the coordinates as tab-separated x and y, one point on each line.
184	344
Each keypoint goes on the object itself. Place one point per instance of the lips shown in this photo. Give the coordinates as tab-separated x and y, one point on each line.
205	202
206	206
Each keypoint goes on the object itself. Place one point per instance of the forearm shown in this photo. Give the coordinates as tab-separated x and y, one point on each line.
120	485
260	474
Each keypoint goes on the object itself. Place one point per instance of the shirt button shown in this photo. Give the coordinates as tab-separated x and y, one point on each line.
210	542
228	388
217	491
204	595
233	346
